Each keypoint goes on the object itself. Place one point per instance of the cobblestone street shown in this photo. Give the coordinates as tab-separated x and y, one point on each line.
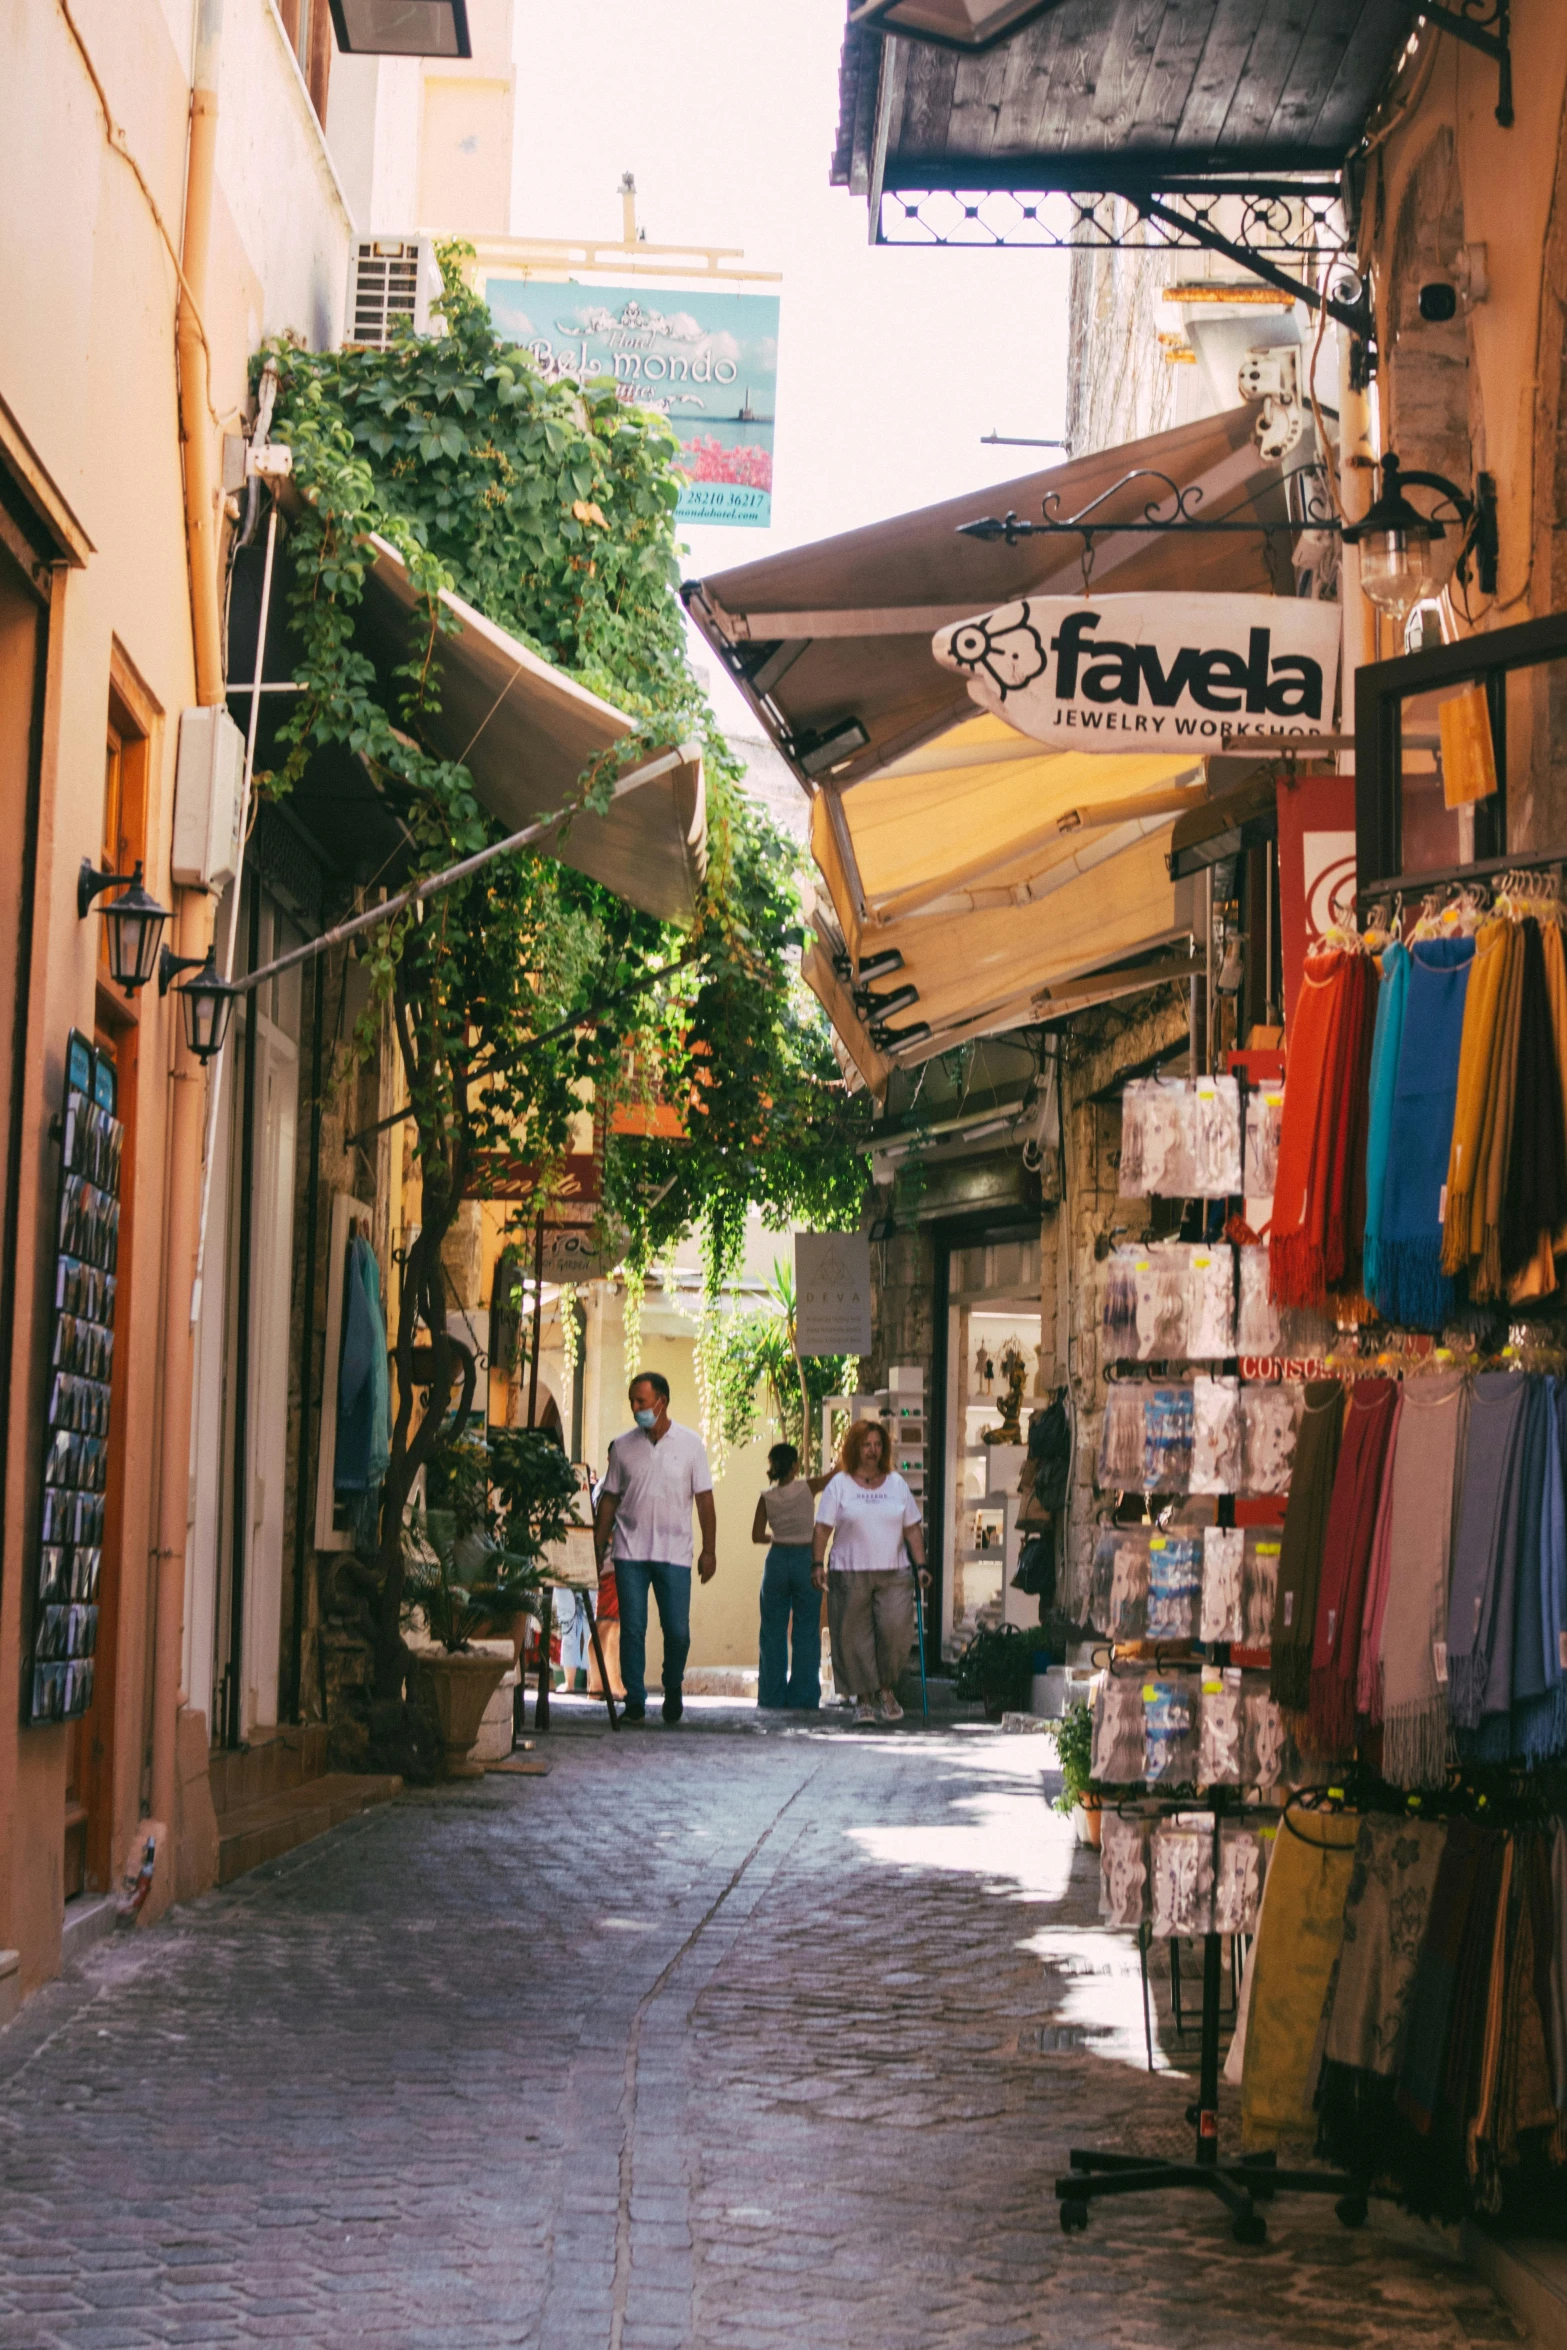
711	2038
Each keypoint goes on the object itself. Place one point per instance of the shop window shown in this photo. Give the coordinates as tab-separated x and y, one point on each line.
1460	762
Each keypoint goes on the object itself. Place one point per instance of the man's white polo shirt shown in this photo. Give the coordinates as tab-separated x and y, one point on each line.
656	1485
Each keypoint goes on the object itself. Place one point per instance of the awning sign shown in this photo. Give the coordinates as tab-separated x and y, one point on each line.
1118	673
706	362
832	1287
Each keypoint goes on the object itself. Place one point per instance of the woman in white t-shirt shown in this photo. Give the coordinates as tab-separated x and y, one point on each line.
871	1519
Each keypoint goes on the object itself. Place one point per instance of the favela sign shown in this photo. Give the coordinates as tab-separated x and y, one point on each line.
1113	673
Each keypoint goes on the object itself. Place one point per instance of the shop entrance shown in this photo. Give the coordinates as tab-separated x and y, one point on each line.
992	1383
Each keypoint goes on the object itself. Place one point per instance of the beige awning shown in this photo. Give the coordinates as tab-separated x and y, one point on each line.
1008	881
836	635
525	731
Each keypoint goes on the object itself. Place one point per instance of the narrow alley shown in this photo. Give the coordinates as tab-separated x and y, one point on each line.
724	2039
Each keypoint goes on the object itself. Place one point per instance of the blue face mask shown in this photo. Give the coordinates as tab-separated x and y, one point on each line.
646	1419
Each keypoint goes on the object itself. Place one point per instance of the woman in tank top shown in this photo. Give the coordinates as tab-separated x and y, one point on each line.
785	1520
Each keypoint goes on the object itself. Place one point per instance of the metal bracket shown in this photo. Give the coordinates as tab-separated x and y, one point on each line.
1490	33
1281	220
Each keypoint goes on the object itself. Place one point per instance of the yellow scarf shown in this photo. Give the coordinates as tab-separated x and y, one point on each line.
1476	1069
1485	1214
1298	1938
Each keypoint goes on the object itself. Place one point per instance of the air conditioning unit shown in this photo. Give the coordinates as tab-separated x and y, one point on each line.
390	278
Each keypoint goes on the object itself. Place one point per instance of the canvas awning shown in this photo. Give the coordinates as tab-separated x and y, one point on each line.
525	731
985	882
831	642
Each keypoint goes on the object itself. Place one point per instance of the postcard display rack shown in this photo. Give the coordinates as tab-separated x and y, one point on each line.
1192	1606
81	1360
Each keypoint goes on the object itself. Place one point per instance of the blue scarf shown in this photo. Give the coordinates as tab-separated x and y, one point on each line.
1384	1069
1411	1287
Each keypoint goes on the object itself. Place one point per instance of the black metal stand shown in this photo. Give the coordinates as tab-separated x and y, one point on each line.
1240	2185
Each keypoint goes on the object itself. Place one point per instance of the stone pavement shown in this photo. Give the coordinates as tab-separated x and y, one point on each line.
711	2038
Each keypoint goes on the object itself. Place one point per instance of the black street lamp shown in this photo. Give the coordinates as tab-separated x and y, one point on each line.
205	1001
1402	556
133	922
402	28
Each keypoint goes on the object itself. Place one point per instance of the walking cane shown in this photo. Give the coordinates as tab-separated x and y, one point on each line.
919	1620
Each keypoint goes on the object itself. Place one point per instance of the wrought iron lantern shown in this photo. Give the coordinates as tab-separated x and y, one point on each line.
402	28
1404	554
133	922
206	1001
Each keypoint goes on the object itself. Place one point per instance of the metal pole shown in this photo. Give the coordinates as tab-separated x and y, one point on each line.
919	1619
305	1483
239	1539
437	882
215	1095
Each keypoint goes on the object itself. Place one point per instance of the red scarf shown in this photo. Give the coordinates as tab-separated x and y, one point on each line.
1346	1557
1313	1241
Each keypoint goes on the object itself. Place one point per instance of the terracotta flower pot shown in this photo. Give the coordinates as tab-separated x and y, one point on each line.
460	1688
1088	1820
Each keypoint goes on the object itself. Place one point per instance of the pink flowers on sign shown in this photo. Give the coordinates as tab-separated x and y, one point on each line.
705	458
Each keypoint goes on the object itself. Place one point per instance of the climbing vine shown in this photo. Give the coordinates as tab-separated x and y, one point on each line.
549	506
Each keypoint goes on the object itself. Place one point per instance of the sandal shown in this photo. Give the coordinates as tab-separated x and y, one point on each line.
864	1711
891	1710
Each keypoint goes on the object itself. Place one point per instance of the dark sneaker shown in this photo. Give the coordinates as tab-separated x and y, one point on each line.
674	1707
632	1712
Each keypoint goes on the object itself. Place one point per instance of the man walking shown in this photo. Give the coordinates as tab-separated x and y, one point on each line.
656	1471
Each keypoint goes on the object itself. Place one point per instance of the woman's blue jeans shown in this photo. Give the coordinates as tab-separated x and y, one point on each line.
788	1592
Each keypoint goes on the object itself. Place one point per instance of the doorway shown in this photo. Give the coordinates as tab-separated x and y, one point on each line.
994	1333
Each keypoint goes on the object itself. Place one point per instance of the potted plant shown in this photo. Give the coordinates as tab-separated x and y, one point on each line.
1075	1753
997	1667
465	1582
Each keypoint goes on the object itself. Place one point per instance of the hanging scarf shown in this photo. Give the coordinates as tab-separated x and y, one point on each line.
1384	1071
1476	1071
1485	1220
1557	2009
1385	1913
1412	1288
1329	1047
1298	1937
1368	1681
1542	1567
1556	992
1482	2104
1535	1194
1347	1167
1487	1526
1518	1566
1459	1885
1524	2099
1346	1556
1300	1545
1412	1640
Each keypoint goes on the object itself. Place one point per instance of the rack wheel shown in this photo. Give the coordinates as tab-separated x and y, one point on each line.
1250	2228
1351	2210
1074	2218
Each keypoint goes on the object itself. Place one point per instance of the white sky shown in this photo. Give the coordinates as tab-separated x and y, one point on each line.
891	363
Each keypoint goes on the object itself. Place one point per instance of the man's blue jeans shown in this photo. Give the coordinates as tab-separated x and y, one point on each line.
671	1586
787	1590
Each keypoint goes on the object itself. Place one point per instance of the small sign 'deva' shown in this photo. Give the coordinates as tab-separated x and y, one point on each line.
1121	673
832	1289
